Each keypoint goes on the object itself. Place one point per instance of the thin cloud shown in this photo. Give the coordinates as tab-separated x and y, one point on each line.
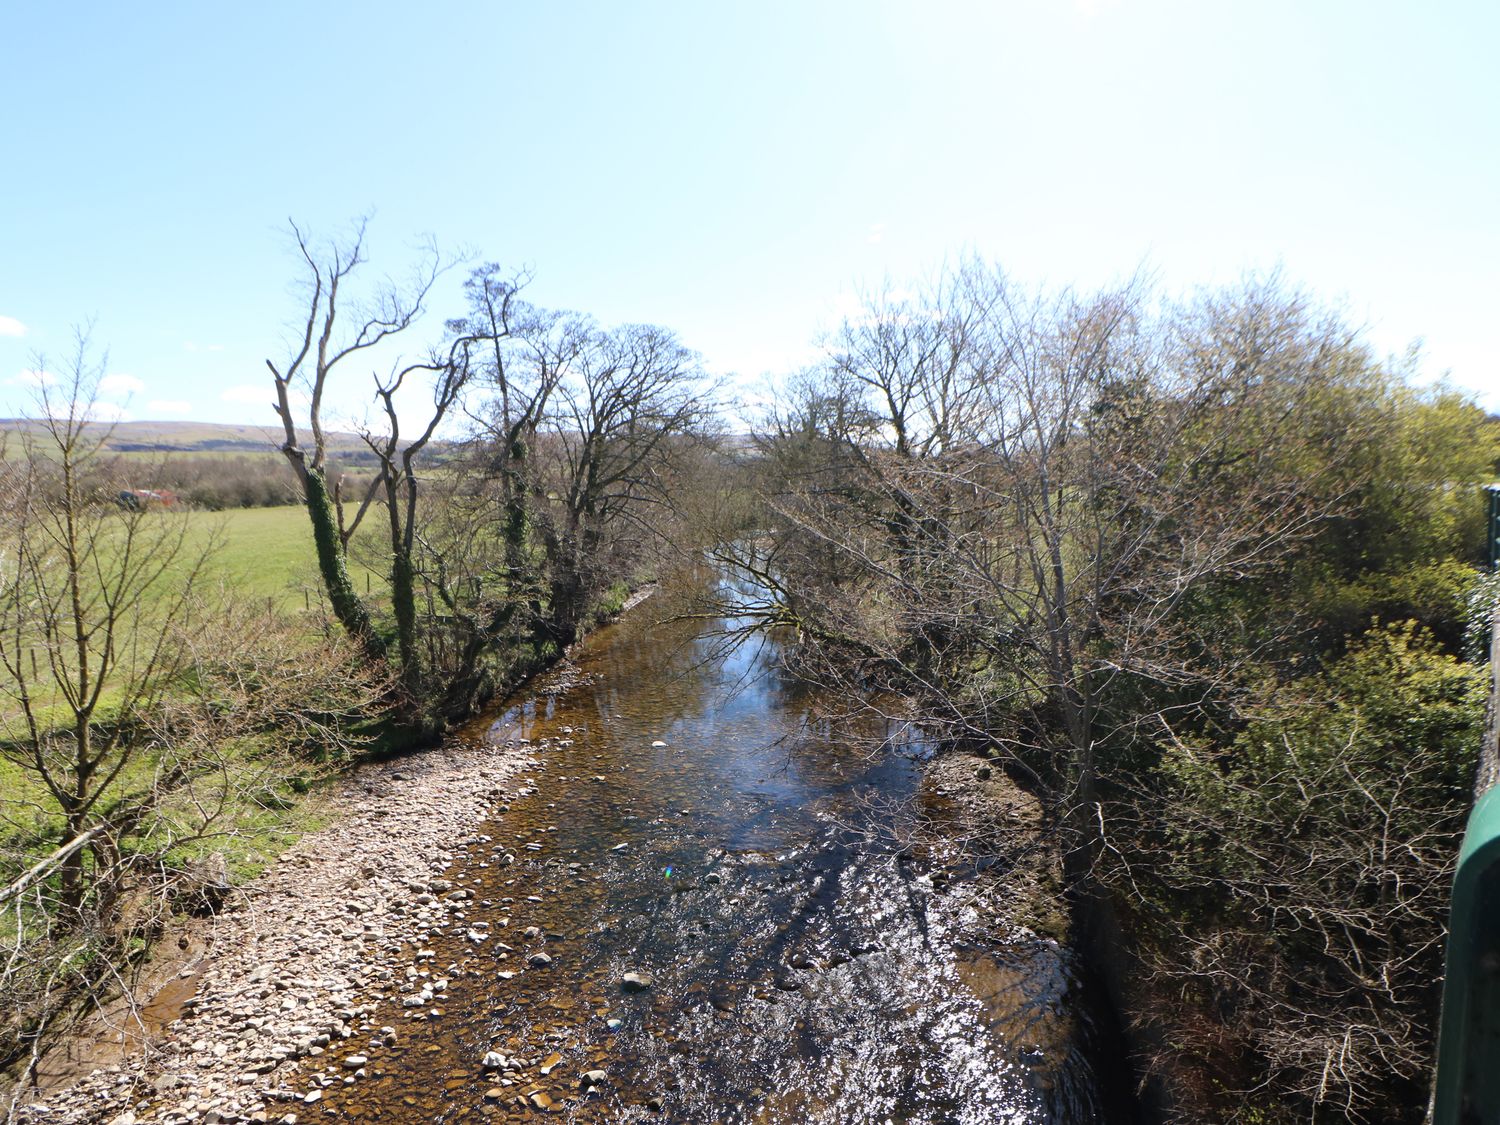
106	412
32	378
877	233
169	406
120	385
10	326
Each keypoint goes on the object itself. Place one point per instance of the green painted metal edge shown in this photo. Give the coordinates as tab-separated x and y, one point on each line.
1465	1065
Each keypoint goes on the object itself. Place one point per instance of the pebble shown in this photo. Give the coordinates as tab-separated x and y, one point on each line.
331	933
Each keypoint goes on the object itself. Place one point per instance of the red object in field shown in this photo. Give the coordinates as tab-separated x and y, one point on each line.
148	497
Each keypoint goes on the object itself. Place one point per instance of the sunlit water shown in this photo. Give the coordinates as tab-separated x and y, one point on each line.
803	966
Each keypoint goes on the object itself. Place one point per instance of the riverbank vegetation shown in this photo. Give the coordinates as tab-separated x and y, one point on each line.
174	679
1199	574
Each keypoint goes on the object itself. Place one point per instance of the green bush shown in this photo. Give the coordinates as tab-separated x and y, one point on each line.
1304	868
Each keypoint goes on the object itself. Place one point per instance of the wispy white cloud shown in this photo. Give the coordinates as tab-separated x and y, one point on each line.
120	385
106	412
10	326
876	234
33	378
169	406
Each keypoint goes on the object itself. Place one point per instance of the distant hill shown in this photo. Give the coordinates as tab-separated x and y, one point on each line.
199	437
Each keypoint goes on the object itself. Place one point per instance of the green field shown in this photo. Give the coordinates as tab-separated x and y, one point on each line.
260	553
268	553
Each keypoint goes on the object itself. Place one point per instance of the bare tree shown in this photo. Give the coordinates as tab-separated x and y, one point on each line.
128	688
338	328
1014	500
398	473
1085	533
636	399
525	354
93	592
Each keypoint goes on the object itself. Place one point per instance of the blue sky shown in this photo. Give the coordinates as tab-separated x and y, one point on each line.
734	171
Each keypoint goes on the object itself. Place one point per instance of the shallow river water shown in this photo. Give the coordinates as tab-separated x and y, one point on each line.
693	820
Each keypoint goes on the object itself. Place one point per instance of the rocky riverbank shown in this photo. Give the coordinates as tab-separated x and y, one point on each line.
669	920
269	1003
291	974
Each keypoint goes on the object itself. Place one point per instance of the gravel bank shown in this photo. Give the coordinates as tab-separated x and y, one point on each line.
296	969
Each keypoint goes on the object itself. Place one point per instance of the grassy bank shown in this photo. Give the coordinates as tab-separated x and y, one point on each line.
236	795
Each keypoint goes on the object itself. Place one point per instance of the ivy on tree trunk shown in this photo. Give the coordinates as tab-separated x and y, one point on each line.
332	563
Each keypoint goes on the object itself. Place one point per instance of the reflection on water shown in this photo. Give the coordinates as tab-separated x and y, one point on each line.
693	819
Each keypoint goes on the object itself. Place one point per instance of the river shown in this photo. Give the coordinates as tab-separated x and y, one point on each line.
699	820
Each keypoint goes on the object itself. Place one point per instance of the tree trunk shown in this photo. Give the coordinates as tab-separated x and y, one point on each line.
347	606
404	604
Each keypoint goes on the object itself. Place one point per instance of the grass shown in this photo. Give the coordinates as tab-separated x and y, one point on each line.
260	553
268	553
264	556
